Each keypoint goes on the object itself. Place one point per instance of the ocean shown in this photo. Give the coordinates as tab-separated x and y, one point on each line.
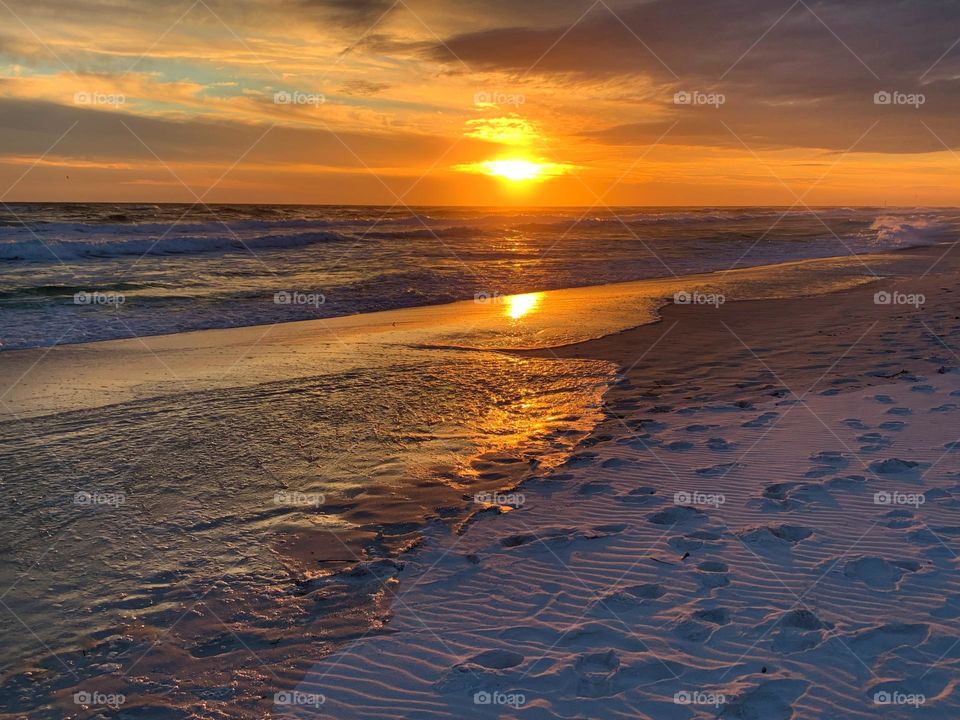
80	273
194	532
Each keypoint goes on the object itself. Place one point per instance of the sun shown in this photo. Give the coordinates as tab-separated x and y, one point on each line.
515	170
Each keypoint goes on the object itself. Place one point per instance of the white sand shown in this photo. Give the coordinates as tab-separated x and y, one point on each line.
775	541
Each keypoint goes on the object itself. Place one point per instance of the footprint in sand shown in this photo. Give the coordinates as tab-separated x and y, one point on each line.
883	639
762	421
643	495
719	444
793	496
873	442
679	446
597	662
629	598
718	470
701	624
949	610
855	424
829	457
896	466
846	483
893	425
693	631
594	487
713	574
497	659
562	535
775	536
647	425
772	700
617	463
582	458
696	541
799	630
879	573
675	515
948	407
899	411
828	462
778	495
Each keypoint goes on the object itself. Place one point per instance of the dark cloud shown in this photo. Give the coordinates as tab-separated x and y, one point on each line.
350	13
793	75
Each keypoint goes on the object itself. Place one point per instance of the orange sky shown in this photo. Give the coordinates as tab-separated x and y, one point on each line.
418	103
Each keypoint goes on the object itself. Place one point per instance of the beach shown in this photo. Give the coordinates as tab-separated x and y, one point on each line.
718	494
469	360
763	527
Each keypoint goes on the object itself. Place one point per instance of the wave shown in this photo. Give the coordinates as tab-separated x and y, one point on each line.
52	235
897	231
55	291
54	250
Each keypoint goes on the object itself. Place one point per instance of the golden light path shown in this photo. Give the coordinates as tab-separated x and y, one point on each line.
520	305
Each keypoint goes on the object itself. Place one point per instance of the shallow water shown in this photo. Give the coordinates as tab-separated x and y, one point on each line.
215	521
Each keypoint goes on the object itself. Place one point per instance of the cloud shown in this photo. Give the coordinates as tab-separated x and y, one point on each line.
803	76
28	128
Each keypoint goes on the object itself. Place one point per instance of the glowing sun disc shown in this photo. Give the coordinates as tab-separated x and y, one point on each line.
516	170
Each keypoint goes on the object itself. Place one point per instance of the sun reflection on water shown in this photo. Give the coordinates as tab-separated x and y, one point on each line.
518	306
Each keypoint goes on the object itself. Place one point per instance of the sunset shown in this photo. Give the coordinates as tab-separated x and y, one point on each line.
367	102
369	359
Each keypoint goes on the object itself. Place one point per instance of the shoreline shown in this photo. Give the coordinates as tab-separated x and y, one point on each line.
354	317
155	365
691	352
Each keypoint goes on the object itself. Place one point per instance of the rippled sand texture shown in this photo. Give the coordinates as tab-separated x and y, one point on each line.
742	538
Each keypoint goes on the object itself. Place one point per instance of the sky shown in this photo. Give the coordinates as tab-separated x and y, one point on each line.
481	102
